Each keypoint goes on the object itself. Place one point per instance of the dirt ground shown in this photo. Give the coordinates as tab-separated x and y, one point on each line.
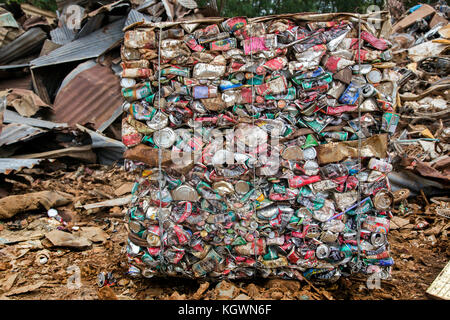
418	245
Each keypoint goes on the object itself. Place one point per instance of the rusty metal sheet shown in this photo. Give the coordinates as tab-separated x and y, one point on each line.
91	46
93	95
375	146
20	82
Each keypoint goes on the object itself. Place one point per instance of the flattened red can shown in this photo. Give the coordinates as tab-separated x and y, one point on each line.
130	136
224	45
300	181
379	44
340	109
234	24
277	86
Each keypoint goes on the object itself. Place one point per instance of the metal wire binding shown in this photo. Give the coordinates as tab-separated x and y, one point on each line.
160	176
358	209
254	164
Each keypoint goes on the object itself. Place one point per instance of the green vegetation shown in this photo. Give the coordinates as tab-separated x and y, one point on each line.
42	4
255	8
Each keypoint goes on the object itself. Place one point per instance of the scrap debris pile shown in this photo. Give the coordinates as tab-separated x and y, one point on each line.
421	40
59	72
283	200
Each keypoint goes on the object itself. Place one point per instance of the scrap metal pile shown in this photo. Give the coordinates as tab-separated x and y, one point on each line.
421	38
260	146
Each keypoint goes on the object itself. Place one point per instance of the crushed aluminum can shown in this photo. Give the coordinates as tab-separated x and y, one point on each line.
203	92
223	45
309	153
185	193
369	105
378	239
364	69
345	199
322	251
234	24
389	122
311	168
208	71
137	73
379	165
152	238
323	214
136	226
368	90
374	76
101	279
207	32
223	188
277	86
313	231
383	199
127	82
140	39
323	185
350	95
164	138
292	153
242	187
140	91
158	122
130	136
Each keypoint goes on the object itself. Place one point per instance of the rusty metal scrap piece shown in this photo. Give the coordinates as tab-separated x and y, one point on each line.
375	146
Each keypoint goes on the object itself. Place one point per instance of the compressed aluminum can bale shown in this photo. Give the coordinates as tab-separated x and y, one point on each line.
255	127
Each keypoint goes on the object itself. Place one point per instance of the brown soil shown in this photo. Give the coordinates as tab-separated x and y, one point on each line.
419	254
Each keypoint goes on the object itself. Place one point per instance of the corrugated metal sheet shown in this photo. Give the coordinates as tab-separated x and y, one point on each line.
13	117
91	25
93	95
87	47
16	132
135	16
108	150
9	34
23	45
80	68
62	35
18	83
13	66
146	4
10	164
